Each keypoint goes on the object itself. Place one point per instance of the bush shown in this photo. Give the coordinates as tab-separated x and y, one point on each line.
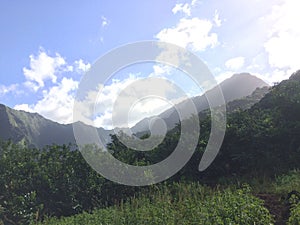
294	215
180	204
288	182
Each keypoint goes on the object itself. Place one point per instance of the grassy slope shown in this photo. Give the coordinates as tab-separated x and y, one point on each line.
267	201
180	203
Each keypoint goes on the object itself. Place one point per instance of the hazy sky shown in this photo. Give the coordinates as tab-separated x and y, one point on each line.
46	46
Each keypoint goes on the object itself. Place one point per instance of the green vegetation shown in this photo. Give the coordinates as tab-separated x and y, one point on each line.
288	182
54	181
295	215
261	148
180	204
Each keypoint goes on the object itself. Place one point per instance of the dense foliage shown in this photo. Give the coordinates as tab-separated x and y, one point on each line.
295	215
262	141
54	181
180	204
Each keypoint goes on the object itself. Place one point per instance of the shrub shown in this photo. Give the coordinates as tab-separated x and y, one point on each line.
180	204
294	215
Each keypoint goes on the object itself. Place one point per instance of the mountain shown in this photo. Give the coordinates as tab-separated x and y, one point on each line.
265	138
236	87
35	130
248	101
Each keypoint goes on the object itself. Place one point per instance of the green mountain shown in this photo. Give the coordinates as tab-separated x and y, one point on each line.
261	139
261	147
248	101
264	138
237	87
35	130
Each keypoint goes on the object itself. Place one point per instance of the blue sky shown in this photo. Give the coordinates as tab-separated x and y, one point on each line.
46	46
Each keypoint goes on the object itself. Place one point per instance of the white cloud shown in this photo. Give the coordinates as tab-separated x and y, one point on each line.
235	63
223	76
193	33
31	85
283	44
283	50
258	63
44	67
104	21
101	102
24	107
145	98
274	76
58	95
146	108
81	67
216	19
57	103
184	8
179	78
161	70
8	89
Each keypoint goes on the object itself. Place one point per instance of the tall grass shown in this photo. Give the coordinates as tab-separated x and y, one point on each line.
179	203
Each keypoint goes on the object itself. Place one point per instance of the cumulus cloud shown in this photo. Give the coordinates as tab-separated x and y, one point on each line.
191	33
235	63
8	89
44	67
283	50
102	102
81	67
57	102
283	44
161	70
184	8
24	107
97	107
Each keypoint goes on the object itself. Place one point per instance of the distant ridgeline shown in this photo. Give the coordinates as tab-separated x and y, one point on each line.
265	138
241	91
35	130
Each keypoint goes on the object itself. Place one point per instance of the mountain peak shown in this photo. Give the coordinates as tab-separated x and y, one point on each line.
295	76
236	87
246	77
242	74
38	131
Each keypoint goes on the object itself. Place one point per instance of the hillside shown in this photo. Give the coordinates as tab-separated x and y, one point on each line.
263	139
35	130
236	87
266	136
261	148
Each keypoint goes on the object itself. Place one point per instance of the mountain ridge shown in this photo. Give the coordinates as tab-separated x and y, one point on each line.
245	83
37	131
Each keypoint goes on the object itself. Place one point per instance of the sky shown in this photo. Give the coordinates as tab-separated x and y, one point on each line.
47	46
